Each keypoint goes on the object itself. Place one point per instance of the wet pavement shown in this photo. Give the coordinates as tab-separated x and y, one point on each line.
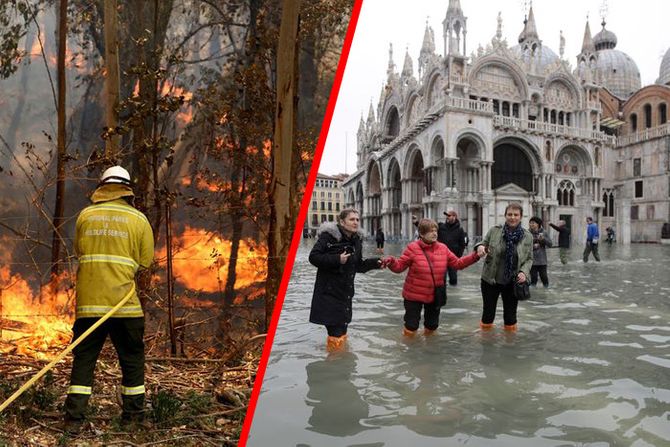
589	366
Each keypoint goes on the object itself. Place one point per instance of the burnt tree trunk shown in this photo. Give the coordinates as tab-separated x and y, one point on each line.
112	80
285	119
57	239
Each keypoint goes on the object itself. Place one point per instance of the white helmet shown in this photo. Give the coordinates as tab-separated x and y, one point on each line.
115	174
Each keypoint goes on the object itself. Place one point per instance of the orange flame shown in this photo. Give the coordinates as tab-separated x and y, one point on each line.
33	327
200	261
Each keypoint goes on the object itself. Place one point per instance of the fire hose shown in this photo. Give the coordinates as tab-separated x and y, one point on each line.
62	355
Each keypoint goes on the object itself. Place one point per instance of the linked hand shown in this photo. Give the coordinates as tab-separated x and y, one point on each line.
482	251
344	257
521	278
385	262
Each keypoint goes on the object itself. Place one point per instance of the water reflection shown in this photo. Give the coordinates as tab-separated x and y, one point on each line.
337	407
588	367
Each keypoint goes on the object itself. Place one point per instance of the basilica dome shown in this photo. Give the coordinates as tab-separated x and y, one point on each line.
615	70
664	72
545	59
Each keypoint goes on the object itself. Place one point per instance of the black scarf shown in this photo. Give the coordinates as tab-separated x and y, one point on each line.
512	236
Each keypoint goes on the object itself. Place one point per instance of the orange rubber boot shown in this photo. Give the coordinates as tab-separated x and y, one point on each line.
336	343
510	327
407	333
485	326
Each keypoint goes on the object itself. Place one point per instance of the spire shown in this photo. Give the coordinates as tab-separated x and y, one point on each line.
391	66
454	30
371	113
587	44
529	28
407	70
499	27
454	8
428	46
561	49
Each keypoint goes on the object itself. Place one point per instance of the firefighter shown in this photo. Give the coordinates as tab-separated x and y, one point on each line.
113	241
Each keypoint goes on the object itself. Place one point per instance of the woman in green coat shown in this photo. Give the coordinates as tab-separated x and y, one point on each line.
509	257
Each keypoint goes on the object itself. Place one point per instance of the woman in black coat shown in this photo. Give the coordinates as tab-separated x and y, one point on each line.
338	256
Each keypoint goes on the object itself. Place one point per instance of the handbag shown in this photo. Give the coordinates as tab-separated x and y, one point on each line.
522	290
440	292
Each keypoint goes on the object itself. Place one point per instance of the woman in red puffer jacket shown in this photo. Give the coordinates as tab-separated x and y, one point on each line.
419	289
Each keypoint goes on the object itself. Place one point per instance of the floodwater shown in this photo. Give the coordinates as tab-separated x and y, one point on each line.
589	366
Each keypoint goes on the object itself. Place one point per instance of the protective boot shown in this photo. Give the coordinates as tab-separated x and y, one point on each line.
407	333
486	326
510	327
335	344
428	332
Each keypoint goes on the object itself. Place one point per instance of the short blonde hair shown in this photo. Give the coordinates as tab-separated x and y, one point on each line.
426	225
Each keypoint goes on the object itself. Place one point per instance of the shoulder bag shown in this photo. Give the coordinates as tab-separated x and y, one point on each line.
440	293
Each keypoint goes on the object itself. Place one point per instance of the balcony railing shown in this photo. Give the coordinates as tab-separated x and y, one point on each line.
469	105
644	135
556	129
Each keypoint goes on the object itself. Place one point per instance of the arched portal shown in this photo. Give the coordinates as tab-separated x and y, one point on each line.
415	182
511	165
395	197
392	125
435	173
359	199
373	218
469	182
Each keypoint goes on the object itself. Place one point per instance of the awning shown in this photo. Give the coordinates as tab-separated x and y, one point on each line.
612	123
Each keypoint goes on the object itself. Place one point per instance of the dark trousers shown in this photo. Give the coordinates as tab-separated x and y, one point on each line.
453	276
336	330
490	294
542	270
591	248
127	335
431	315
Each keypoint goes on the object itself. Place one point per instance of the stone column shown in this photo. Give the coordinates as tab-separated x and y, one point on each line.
623	222
471	219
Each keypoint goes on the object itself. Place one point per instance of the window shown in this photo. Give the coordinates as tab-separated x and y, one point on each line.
651	211
608	199
313	193
323	206
314	205
330	206
330	195
323	194
315	220
337	195
633	122
638	189
647	116
324	218
634	211
566	193
637	167
662	113
330	218
337	207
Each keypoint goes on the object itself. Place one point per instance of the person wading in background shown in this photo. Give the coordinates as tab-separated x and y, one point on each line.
451	234
592	239
563	240
540	244
113	241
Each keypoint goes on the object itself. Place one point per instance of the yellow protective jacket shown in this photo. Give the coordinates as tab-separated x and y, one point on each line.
112	241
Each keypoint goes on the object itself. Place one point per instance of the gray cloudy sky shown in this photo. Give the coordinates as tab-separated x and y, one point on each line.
640	26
